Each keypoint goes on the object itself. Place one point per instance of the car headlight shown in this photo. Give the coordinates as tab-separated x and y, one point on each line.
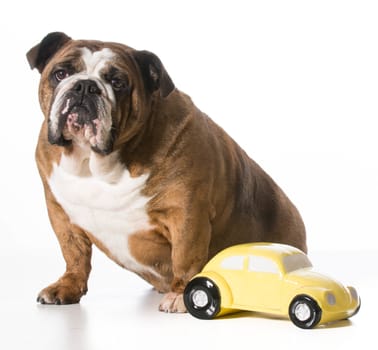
331	299
353	293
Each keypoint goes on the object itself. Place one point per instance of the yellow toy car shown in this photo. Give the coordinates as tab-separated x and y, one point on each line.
270	278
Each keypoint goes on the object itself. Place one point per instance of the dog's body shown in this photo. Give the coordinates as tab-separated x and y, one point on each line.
129	164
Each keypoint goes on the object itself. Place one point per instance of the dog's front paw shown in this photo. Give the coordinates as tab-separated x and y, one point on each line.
172	302
67	290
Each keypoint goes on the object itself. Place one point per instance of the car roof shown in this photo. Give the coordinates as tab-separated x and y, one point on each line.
274	251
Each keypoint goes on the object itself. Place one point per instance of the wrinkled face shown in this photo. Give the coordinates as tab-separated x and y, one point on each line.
87	87
93	92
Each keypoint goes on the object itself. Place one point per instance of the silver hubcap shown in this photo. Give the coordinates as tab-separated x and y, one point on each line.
302	312
200	298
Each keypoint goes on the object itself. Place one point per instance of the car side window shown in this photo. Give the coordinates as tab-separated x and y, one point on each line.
233	263
261	264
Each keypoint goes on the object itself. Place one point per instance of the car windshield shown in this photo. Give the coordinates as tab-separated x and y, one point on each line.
296	262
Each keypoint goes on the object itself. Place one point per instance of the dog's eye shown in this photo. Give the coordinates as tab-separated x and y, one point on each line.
61	74
118	84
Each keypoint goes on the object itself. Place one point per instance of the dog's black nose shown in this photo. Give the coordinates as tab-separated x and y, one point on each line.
87	87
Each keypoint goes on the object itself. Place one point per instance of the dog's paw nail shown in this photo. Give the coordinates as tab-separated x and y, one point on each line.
58	302
172	302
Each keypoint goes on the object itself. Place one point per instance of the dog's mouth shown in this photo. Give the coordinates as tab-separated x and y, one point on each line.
82	124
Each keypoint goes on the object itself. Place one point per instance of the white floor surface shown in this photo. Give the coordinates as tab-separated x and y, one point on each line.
120	312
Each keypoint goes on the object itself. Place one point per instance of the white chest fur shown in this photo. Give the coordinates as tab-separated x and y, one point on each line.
99	195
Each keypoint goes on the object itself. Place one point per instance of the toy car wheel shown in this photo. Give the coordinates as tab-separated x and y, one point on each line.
304	312
202	298
358	308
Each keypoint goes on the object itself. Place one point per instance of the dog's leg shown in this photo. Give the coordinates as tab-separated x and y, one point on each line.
77	250
190	248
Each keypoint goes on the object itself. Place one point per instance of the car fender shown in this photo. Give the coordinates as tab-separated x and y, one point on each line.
315	293
224	289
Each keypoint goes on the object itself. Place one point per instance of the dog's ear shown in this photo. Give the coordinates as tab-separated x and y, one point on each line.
154	75
39	55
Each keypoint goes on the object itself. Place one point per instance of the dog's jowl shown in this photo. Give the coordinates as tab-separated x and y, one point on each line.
131	165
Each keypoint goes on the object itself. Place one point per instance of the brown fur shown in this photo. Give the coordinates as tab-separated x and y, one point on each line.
208	194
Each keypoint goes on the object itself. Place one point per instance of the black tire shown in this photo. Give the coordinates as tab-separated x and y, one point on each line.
304	312
357	310
202	298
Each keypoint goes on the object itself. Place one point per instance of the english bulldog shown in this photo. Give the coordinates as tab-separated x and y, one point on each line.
129	163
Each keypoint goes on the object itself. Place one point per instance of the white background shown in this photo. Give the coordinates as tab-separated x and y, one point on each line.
295	83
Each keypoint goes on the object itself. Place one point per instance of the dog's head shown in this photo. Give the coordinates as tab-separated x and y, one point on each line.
94	92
